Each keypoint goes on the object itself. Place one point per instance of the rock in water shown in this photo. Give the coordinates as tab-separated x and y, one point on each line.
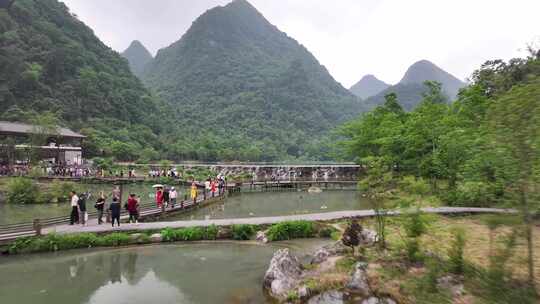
261	237
156	238
329	297
359	282
322	254
283	274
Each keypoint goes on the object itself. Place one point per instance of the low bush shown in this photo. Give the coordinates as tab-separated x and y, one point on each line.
326	231
211	232
415	185
243	232
114	239
189	234
22	190
471	194
455	253
291	230
416	223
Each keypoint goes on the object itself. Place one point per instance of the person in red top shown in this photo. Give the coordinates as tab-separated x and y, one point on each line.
159	197
133	208
213	187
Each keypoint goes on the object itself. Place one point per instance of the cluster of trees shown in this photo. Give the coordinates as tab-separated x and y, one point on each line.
484	147
482	144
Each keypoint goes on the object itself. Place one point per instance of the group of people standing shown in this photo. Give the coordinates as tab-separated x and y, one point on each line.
165	197
79	212
215	186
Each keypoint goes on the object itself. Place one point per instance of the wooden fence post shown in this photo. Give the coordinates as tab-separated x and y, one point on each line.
37	227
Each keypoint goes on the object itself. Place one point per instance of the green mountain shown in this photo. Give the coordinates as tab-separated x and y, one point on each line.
410	89
51	61
138	57
368	86
237	80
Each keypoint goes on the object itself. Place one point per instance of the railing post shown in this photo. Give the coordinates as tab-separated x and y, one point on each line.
37	227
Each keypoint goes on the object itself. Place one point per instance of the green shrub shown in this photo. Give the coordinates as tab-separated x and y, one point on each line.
412	248
416	223
114	239
190	234
471	194
291	230
326	231
211	232
59	191
336	235
243	232
414	185
168	235
22	190
455	253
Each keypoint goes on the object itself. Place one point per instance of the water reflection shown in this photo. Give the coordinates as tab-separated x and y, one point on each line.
196	273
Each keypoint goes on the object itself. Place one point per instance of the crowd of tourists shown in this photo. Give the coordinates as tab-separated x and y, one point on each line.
79	213
165	197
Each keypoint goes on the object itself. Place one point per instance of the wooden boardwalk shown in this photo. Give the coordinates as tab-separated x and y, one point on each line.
329	216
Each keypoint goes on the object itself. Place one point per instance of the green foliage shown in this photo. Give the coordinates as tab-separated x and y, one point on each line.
59	191
22	190
327	231
346	264
416	223
114	239
186	234
211	232
413	250
291	230
455	253
243	232
414	185
53	63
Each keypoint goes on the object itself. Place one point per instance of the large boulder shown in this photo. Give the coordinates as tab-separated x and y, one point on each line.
261	237
368	237
323	253
283	274
329	297
358	283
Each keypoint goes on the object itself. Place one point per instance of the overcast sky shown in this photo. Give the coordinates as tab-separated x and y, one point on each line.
350	37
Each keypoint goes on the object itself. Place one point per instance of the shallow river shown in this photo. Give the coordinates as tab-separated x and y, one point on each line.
192	273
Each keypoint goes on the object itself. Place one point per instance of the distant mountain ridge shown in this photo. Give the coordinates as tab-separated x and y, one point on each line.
410	89
138	57
257	82
368	86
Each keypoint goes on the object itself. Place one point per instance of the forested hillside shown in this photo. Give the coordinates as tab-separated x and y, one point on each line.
243	89
52	62
138	57
410	89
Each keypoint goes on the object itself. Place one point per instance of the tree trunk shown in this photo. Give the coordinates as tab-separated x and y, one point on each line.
528	233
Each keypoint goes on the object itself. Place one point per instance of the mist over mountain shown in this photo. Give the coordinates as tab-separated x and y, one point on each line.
234	74
410	89
138	57
368	86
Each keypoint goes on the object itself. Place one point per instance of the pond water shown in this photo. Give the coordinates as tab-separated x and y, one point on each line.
191	273
11	213
235	206
279	203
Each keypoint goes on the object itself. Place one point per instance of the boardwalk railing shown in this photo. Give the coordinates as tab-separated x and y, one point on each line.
13	231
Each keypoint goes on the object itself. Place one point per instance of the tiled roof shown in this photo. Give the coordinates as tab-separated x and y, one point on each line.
22	128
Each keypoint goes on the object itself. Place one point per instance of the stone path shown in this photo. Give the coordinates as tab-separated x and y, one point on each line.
329	216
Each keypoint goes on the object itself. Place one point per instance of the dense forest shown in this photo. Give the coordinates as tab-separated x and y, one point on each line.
52	63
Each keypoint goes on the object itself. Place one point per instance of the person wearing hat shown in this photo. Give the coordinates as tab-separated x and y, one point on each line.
173	195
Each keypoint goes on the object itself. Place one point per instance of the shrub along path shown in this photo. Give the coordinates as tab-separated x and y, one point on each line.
329	216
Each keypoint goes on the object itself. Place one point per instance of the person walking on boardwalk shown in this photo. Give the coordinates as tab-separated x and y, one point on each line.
221	186
115	209
194	193
83	215
173	194
74	217
213	187
100	205
133	208
207	188
159	197
166	196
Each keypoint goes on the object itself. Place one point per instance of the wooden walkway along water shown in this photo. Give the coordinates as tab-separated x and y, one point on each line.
329	216
13	231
